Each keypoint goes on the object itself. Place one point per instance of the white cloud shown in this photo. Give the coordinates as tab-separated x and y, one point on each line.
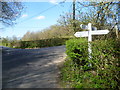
40	17
24	15
53	1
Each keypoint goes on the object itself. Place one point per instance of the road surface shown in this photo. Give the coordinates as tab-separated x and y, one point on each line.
31	68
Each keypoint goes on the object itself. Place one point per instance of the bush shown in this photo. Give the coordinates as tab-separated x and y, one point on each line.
77	50
43	43
105	70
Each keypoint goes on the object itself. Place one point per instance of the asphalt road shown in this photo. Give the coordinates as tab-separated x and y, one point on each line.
31	68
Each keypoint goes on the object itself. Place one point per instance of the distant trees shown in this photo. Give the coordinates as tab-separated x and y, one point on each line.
5	41
9	12
14	41
67	21
10	42
54	31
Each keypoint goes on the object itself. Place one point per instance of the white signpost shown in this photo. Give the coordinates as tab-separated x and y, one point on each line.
85	33
89	34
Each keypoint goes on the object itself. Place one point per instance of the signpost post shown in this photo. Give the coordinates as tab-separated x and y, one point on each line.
89	34
89	40
116	31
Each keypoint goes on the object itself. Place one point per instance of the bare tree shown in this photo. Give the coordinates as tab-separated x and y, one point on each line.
105	13
9	12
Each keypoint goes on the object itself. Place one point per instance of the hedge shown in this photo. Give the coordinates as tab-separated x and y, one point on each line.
77	50
43	43
105	69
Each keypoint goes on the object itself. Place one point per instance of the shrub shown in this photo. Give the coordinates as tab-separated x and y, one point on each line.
77	50
105	71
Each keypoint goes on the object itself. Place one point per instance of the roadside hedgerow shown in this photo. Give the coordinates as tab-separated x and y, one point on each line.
105	69
43	43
